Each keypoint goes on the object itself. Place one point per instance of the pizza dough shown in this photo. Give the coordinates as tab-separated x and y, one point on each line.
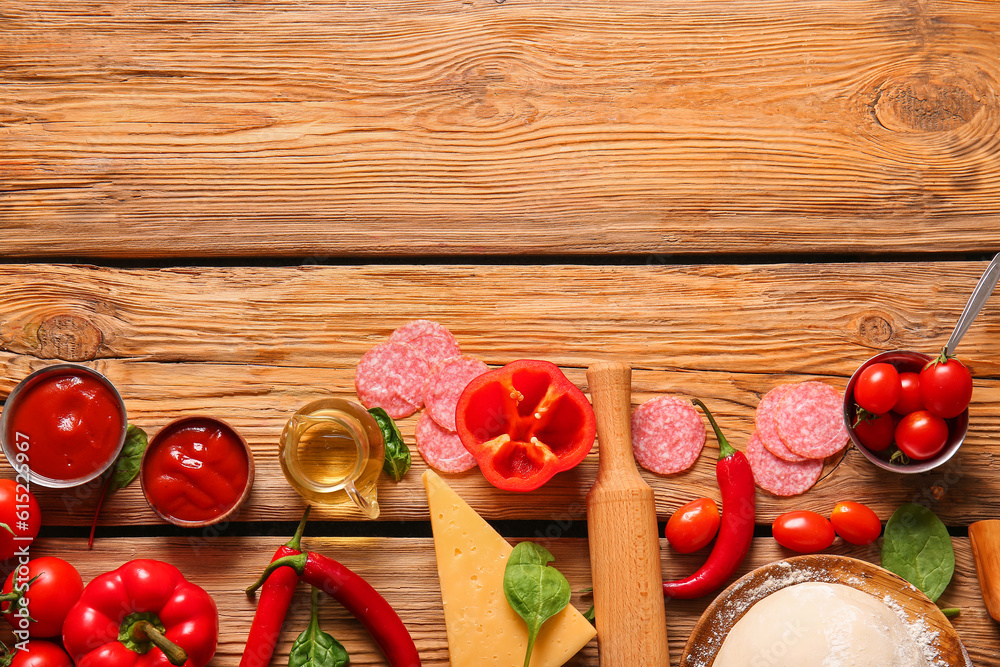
821	625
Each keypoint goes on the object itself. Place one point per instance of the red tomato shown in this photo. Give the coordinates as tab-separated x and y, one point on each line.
921	435
909	395
803	531
693	526
856	523
41	654
877	388
19	511
945	387
49	597
876	432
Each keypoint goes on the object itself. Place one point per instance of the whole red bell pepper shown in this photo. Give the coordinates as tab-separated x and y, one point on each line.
524	423
139	616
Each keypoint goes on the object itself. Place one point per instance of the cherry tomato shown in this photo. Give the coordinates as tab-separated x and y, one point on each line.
856	523
876	432
921	435
877	388
909	395
945	387
803	531
48	598
41	654
19	511
693	526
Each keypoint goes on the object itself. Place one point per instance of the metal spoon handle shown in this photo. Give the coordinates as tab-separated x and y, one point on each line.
976	302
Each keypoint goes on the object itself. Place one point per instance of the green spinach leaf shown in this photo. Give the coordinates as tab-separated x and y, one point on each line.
125	470
315	648
127	466
917	547
534	589
397	454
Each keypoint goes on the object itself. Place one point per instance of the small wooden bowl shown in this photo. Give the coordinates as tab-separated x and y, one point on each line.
729	607
168	430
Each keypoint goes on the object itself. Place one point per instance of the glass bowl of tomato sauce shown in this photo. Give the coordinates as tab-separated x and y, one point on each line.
197	471
64	425
904	361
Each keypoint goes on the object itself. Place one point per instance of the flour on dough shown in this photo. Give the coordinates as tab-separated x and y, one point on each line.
820	625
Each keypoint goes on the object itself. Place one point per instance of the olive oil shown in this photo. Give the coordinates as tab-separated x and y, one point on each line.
331	452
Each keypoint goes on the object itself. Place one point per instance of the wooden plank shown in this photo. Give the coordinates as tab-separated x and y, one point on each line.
253	345
322	128
404	571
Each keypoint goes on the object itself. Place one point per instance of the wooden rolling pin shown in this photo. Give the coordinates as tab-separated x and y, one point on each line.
985	539
624	545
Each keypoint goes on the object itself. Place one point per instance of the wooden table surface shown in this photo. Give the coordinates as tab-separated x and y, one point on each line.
222	206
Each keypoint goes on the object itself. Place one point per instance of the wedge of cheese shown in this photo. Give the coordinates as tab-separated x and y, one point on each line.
483	630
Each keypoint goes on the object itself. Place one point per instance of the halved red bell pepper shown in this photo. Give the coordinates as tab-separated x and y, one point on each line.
123	617
524	423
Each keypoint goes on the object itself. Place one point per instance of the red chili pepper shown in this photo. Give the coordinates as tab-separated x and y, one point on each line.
139	616
275	598
524	423
358	597
736	532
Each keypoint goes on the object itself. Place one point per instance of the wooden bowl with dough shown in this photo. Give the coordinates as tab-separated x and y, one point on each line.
733	603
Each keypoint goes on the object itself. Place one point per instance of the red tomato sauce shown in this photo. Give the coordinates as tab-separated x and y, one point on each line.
196	471
73	424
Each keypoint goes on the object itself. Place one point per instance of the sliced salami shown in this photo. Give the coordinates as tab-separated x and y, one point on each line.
391	376
432	339
667	435
442	449
780	477
767	429
810	420
445	386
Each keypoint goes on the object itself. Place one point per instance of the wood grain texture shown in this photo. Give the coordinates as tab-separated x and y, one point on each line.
404	572
252	345
312	128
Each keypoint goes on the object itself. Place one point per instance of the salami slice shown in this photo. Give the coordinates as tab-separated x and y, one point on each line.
442	449
432	339
667	435
810	420
780	477
446	384
767	429
391	376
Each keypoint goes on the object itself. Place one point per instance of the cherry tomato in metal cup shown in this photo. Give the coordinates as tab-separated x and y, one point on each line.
856	523
693	526
909	395
921	435
49	588
945	387
40	654
803	531
876	432
877	388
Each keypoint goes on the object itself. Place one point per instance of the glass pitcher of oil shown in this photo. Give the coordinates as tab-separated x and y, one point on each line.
331	452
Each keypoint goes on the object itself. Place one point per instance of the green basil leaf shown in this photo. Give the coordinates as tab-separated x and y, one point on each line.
315	648
127	466
535	590
589	615
397	454
917	547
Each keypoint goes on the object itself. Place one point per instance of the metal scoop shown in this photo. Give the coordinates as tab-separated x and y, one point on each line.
976	302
